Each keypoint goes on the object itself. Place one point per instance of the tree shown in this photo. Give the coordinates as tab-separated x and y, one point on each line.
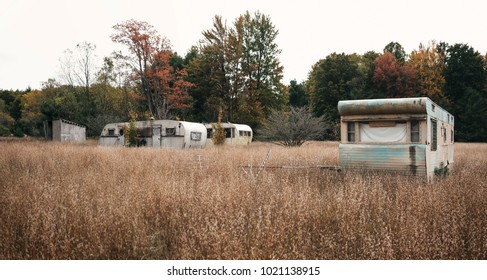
78	66
143	42
6	121
32	117
464	68
131	131
115	71
394	79
12	102
219	133
297	95
201	70
362	86
294	127
261	64
397	51
163	87
329	81
78	69
67	68
221	55
429	64
465	79
237	69
470	116
169	85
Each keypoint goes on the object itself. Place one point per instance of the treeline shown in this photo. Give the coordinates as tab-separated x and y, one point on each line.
235	69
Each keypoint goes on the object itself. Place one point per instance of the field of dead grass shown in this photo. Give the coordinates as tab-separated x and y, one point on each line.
61	201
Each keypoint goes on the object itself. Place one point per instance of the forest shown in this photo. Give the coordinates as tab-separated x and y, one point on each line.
235	68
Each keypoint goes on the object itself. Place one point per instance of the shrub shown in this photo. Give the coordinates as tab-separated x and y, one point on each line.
294	127
219	134
4	131
131	134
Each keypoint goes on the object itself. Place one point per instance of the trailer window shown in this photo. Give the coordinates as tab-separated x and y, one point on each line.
351	132
383	132
229	132
434	135
244	133
195	136
111	132
415	131
170	131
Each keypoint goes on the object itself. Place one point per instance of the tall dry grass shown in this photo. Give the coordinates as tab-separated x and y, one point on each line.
62	201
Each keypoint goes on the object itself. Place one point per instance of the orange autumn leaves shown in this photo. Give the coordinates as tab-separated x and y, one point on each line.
161	84
423	72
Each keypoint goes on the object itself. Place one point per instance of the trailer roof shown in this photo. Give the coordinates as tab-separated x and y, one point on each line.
383	106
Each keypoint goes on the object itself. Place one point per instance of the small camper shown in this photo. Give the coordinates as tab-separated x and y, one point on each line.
235	134
157	134
405	135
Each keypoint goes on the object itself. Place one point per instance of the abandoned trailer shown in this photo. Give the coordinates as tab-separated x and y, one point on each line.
235	134
405	135
157	133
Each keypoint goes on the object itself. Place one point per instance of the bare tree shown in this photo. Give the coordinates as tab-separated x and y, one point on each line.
78	65
67	68
294	127
85	64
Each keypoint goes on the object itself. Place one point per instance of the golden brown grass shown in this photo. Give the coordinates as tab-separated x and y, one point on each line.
61	201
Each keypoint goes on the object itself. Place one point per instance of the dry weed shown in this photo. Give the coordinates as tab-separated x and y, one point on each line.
62	201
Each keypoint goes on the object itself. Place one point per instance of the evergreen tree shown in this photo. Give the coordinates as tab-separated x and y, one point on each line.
297	95
465	85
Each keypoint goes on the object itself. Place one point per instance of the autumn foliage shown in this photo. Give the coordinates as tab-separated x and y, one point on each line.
236	67
163	86
394	79
429	65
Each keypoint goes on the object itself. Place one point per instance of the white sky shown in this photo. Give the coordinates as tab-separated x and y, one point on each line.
34	33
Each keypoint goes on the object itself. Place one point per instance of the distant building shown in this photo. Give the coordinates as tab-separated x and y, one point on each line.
405	135
64	131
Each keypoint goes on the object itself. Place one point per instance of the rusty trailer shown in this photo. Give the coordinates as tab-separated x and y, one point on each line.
405	135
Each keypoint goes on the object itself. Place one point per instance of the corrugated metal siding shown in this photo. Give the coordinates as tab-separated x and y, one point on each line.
400	158
440	158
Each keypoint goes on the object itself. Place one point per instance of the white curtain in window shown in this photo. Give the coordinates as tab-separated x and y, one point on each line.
383	134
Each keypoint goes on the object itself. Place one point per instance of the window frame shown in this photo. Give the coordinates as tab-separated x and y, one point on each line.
351	132
170	131
434	135
415	132
195	136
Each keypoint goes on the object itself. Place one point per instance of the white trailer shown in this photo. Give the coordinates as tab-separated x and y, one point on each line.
157	134
235	134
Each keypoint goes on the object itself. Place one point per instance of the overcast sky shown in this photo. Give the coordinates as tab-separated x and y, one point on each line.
34	33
